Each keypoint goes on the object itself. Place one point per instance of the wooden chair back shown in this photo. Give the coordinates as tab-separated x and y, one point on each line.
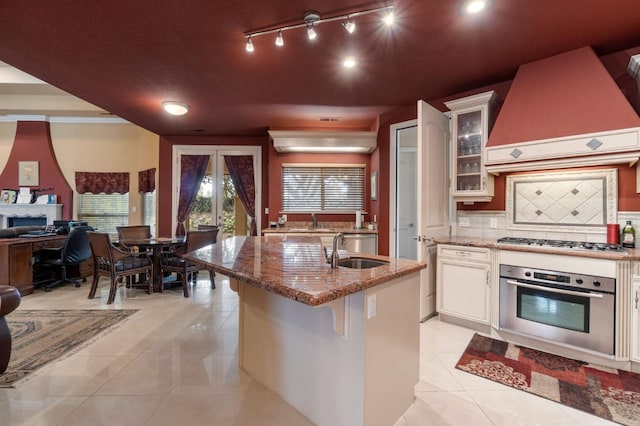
210	228
134	232
198	239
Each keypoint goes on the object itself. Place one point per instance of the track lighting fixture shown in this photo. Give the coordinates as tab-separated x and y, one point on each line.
312	19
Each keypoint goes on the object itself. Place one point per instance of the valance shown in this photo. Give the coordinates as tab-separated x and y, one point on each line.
147	180
97	183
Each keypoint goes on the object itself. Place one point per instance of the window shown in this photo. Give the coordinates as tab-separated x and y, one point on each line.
104	211
149	210
322	188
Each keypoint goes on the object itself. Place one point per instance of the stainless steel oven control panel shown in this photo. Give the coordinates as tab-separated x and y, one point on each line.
560	279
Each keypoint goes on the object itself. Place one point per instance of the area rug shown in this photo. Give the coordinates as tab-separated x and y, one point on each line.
42	336
605	392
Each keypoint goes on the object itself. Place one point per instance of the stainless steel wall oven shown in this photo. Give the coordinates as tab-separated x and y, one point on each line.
569	308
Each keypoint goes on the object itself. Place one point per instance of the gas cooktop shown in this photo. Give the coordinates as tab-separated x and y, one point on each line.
579	245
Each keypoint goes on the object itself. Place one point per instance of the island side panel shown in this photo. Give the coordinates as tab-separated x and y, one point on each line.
392	350
293	349
368	378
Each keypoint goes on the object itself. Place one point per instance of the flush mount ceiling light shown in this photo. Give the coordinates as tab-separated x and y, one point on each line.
312	19
175	108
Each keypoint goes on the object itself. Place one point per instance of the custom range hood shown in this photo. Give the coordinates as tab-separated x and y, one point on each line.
563	111
323	141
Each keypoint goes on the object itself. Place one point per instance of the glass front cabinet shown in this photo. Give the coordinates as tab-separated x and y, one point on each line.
471	118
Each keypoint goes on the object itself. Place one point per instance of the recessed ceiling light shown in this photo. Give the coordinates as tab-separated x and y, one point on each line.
474	6
349	62
175	108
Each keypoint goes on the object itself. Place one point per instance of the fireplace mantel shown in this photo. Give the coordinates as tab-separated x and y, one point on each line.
51	211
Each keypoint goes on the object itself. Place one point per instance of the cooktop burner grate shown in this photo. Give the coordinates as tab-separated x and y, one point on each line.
580	245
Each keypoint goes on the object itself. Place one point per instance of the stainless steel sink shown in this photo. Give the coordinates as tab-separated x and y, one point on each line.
361	263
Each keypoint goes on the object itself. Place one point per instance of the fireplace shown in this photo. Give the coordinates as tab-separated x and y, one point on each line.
26	221
16	214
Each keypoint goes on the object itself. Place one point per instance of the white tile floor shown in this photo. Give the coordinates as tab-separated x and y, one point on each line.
174	363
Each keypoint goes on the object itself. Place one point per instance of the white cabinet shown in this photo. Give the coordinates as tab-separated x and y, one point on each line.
472	118
463	282
635	312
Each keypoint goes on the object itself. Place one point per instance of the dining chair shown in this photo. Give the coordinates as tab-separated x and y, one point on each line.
114	263
174	262
133	232
212	274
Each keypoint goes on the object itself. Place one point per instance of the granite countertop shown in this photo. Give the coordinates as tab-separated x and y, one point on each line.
628	254
295	268
331	230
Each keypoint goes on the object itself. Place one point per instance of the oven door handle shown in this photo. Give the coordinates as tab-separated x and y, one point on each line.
556	290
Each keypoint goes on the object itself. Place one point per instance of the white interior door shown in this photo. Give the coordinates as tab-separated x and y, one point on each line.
433	196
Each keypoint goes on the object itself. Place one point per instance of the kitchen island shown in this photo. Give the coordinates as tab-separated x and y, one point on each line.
340	345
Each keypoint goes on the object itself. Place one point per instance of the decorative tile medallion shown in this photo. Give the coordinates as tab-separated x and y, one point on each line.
583	201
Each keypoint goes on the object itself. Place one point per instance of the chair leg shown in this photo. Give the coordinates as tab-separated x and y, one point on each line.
94	286
186	280
112	290
212	278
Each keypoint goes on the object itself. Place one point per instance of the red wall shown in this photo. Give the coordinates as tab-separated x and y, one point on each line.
33	143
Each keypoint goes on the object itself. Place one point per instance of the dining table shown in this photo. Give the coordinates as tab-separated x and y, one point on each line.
158	246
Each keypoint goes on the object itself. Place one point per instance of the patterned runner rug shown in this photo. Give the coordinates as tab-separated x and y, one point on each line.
40	337
605	392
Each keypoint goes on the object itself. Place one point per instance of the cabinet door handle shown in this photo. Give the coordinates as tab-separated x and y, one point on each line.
636	299
488	279
463	253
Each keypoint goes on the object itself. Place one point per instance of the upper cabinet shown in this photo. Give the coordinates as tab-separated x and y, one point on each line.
472	118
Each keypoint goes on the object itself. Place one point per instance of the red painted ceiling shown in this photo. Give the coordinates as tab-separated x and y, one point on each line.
128	56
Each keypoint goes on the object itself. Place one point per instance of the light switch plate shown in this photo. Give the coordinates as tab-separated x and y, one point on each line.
464	221
493	222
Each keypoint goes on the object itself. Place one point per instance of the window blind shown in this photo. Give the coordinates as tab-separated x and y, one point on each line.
310	188
104	211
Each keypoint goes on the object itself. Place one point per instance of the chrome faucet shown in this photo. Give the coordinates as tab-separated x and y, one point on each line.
335	256
314	221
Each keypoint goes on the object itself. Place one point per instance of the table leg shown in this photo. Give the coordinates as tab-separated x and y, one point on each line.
157	272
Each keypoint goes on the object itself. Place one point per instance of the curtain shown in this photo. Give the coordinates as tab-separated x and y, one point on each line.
147	180
97	183
192	170
241	171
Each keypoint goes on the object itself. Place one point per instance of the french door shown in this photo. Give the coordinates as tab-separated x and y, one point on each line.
214	187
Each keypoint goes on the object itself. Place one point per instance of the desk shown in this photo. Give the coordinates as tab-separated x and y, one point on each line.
16	259
157	245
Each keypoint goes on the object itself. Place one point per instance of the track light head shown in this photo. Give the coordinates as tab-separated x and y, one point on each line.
279	39
311	33
249	45
349	25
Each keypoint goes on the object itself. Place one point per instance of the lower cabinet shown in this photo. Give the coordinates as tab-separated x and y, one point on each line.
635	312
463	282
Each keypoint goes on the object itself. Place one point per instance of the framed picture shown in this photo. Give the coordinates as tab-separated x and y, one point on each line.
374	185
8	196
28	174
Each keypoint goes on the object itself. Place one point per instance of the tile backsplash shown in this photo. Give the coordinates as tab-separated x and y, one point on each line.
574	205
480	226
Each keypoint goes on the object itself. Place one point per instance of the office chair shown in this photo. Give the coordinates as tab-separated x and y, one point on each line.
76	249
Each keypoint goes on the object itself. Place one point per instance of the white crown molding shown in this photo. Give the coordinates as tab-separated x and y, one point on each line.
72	120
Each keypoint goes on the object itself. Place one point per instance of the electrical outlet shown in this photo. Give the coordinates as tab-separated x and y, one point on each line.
266	210
493	222
464	221
371	306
